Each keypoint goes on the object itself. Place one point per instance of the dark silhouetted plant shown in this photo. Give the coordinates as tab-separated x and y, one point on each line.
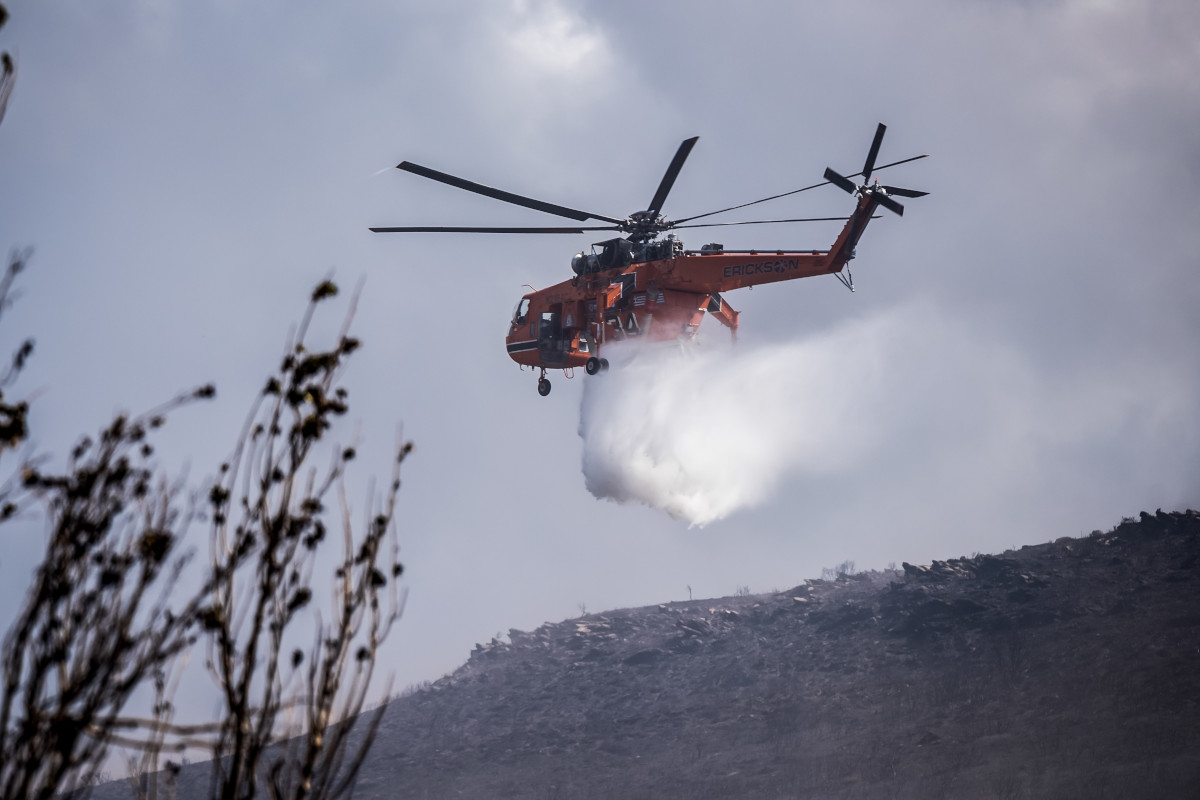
104	617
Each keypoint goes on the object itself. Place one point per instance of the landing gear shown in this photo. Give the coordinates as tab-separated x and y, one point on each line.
595	365
543	384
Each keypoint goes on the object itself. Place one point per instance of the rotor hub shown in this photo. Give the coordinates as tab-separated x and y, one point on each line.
643	225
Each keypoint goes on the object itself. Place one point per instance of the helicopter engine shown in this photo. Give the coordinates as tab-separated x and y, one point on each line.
585	263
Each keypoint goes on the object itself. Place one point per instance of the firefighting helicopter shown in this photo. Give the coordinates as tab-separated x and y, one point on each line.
646	286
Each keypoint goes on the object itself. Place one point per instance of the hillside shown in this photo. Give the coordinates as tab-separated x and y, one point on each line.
1061	670
1069	669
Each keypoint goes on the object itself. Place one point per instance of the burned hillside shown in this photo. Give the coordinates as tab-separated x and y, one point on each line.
1068	669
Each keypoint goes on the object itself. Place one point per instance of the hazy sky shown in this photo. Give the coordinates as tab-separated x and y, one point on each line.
1019	362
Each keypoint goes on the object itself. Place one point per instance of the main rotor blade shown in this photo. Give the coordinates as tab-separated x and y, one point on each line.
840	182
672	173
870	165
754	202
796	191
889	203
763	222
461	229
508	197
894	164
897	192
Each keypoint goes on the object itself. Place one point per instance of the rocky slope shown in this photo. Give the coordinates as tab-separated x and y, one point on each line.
1061	670
1069	669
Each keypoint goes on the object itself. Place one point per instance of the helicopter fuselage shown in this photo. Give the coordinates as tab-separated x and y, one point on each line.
659	299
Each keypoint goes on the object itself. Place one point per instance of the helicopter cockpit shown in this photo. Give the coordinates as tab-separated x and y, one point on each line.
521	312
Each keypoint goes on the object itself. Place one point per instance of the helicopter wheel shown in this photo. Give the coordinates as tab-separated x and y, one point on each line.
543	387
593	366
604	364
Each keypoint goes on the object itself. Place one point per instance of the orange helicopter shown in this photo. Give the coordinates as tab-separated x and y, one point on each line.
651	287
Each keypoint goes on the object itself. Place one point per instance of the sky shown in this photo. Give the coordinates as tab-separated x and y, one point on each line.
1019	361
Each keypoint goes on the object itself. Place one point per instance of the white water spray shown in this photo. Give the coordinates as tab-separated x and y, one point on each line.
701	430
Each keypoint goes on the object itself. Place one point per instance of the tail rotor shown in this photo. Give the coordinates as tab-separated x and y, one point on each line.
880	194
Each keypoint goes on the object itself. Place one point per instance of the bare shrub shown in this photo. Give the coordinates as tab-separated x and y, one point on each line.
8	69
102	619
842	570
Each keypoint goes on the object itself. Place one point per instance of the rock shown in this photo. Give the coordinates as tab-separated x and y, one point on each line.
645	657
999	570
695	627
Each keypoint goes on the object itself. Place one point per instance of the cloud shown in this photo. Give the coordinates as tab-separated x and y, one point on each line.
545	73
547	36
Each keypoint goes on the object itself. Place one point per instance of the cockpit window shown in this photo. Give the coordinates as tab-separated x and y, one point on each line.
520	312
